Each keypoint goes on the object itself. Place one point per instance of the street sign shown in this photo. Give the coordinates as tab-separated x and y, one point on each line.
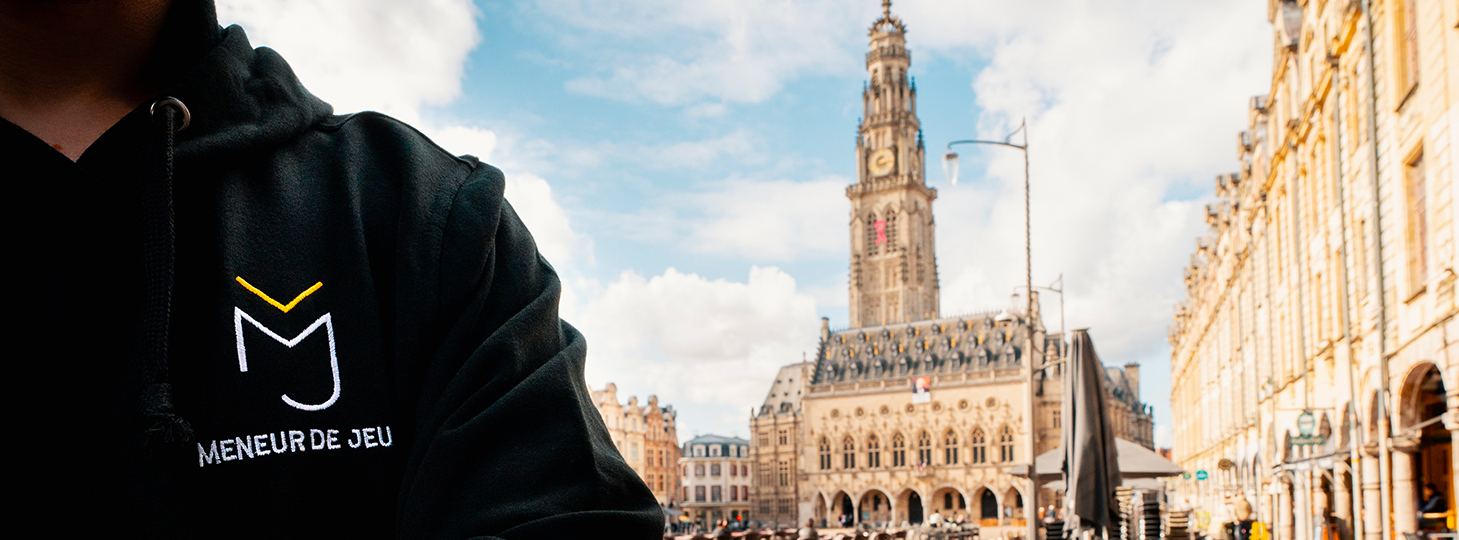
1225	464
1306	423
1309	440
1201	474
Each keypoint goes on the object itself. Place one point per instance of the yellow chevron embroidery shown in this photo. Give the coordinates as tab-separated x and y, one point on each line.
282	307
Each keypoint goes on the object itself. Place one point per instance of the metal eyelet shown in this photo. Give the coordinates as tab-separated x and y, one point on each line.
169	101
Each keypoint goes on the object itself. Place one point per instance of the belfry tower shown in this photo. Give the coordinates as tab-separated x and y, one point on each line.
893	263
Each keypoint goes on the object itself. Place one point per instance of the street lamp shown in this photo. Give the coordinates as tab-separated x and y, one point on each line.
949	167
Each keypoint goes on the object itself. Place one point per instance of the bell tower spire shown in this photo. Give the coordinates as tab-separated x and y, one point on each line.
893	257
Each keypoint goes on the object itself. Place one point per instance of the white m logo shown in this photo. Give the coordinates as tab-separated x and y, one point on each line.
239	316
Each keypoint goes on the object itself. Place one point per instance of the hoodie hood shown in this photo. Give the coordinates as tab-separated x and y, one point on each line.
241	99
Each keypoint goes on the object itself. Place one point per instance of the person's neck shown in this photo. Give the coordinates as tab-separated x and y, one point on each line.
71	70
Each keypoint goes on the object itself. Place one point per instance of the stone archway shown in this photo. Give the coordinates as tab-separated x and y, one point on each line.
1424	452
820	509
875	506
842	508
948	502
986	502
912	501
1013	503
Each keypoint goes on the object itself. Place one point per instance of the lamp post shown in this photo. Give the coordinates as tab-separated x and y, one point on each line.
949	167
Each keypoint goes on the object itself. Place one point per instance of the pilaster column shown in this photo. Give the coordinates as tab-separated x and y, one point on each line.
1451	422
1372	498
1285	526
1405	490
1342	499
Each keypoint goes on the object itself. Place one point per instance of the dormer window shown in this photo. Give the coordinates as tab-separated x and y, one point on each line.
714	451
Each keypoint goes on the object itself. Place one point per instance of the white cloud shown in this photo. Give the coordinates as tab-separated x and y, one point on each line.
1133	109
699	53
381	55
694	341
769	220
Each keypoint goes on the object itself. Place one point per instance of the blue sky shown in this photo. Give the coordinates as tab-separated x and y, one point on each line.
683	164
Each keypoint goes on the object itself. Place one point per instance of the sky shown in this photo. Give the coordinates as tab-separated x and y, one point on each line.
682	165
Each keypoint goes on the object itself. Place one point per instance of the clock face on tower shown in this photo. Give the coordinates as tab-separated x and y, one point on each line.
881	162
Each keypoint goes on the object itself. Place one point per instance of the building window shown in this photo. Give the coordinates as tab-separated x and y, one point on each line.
785	473
699	469
825	451
714	451
949	447
716	494
745	470
686	493
1058	418
784	506
924	448
764	438
891	230
1418	224
699	493
734	471
686	470
714	469
873	451
633	451
734	493
899	450
848	453
1005	444
980	446
699	451
1408	52
871	236
783	436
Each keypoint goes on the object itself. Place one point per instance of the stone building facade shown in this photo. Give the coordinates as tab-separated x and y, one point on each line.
716	479
861	443
1321	300
646	437
774	429
872	450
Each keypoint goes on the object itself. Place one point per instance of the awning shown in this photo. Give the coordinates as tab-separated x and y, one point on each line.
1135	462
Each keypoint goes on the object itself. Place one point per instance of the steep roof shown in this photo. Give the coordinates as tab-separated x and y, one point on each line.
785	392
946	345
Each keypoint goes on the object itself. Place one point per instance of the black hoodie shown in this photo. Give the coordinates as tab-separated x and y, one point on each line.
360	333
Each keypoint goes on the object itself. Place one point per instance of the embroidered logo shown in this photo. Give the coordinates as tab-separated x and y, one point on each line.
325	320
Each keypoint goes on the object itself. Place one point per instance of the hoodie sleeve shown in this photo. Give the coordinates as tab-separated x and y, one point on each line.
507	442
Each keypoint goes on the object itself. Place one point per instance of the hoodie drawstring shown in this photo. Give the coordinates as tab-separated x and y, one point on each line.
158	256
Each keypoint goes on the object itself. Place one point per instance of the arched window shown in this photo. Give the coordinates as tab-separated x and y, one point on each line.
899	450
891	230
873	451
924	448
980	446
1005	444
871	236
825	449
949	447
848	453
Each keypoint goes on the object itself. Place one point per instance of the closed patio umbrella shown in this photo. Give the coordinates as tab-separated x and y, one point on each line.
1091	460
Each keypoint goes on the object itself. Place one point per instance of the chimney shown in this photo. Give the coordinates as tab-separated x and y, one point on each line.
1132	373
825	329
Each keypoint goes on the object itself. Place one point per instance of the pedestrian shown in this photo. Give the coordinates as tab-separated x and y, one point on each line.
264	319
808	531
